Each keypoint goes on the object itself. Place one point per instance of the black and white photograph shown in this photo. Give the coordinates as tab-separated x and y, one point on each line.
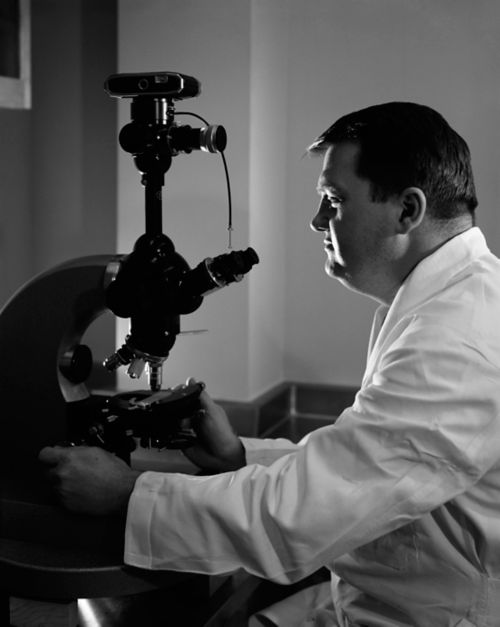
250	313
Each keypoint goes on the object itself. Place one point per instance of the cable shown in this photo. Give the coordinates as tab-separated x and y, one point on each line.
226	171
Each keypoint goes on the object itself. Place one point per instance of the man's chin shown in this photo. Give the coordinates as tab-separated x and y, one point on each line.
334	270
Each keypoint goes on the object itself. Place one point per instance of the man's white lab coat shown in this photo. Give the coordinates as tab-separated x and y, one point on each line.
400	497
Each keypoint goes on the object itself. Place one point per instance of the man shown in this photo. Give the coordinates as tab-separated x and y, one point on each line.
401	496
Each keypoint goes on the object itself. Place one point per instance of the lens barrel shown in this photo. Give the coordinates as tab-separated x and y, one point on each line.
214	273
210	138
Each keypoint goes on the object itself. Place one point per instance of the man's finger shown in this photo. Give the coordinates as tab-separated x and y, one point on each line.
52	454
207	402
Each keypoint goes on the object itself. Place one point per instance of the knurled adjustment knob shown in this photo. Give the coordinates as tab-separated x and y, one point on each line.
76	364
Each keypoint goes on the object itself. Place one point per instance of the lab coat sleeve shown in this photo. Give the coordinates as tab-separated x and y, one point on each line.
265	451
423	430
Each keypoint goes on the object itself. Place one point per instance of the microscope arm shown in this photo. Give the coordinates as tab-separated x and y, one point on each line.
42	368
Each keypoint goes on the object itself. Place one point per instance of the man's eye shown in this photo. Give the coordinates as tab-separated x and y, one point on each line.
334	200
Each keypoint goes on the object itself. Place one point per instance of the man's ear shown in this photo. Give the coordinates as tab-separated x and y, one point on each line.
413	205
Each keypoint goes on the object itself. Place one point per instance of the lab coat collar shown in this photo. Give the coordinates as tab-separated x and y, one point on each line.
427	278
438	269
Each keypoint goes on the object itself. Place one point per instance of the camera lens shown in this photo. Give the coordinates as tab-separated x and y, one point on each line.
143	84
211	138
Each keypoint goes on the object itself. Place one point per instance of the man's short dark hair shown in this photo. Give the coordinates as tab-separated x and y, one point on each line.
403	144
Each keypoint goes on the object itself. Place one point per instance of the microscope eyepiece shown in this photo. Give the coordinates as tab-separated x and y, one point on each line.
214	273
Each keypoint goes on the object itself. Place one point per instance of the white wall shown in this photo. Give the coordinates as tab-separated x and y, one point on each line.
268	192
276	73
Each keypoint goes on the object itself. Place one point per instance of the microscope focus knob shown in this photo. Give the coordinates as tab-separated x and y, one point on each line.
76	364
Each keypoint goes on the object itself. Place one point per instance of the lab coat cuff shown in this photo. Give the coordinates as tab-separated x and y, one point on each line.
266	451
139	516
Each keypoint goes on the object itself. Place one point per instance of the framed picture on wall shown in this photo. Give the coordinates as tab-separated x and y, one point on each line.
15	66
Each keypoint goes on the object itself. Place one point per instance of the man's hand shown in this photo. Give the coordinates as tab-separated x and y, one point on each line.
218	448
89	479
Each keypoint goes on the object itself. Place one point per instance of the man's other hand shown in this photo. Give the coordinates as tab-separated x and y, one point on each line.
218	448
89	479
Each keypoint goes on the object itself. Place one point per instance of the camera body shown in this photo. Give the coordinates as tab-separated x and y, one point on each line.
153	137
154	84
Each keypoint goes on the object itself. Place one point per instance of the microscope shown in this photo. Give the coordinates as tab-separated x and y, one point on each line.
47	552
44	366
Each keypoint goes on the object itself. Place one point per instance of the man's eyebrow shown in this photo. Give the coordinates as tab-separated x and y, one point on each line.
323	187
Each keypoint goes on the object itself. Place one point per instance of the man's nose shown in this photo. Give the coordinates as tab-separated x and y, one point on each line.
320	221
